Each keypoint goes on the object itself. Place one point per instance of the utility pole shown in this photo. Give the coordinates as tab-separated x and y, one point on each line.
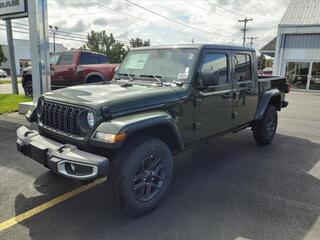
14	82
251	40
54	29
244	29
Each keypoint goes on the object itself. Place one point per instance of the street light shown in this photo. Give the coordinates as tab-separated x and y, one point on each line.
54	29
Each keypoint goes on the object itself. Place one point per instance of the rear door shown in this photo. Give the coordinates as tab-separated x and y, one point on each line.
213	105
64	71
245	89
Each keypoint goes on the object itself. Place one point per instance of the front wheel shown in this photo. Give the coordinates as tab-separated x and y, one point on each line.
265	129
140	175
28	88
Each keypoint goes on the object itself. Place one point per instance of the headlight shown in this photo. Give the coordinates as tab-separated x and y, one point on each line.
39	107
90	119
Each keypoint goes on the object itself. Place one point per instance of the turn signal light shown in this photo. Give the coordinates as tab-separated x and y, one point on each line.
111	138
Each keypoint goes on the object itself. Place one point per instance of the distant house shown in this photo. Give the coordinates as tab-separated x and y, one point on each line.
270	48
297	54
22	54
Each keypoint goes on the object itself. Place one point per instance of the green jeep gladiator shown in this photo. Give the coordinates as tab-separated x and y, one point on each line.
161	101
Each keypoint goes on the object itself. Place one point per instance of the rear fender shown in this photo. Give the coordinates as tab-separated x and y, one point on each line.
265	100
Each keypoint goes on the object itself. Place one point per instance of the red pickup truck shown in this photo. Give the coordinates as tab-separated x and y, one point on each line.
73	68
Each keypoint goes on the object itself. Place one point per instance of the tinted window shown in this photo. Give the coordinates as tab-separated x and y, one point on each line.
66	59
242	63
88	58
103	59
215	63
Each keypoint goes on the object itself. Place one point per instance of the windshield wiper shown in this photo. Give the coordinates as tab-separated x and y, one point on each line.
153	77
128	75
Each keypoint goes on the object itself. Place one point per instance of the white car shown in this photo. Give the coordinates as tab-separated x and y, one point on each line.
3	73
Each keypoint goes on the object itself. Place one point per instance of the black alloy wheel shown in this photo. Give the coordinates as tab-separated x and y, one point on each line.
149	178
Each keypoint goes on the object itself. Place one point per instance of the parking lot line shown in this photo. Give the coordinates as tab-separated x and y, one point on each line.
23	216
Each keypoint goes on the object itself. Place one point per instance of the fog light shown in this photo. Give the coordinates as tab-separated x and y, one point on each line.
111	138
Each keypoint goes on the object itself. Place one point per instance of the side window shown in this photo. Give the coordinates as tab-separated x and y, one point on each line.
103	59
215	64
242	65
66	59
88	58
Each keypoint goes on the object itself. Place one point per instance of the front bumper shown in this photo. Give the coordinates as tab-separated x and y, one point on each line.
63	159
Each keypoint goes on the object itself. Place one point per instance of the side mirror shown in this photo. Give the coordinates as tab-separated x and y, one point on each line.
209	78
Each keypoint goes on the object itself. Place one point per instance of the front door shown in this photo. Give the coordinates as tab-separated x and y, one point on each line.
63	71
213	105
246	95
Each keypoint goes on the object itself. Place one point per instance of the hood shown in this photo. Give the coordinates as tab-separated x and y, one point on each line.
116	97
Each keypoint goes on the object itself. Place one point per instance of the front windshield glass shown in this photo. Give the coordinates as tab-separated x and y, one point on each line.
54	58
167	64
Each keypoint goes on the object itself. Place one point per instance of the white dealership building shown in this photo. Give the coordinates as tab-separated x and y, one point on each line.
22	54
297	54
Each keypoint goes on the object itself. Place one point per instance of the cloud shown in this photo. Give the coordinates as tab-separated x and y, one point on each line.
100	21
80	26
82	16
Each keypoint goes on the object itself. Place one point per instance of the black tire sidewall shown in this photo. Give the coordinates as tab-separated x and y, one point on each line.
260	127
28	94
128	201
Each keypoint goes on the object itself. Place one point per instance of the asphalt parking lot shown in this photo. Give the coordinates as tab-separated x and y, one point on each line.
228	189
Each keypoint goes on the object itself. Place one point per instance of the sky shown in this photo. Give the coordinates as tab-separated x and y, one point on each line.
204	21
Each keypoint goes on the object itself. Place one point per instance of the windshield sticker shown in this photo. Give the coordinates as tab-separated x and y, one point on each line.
186	70
136	61
183	76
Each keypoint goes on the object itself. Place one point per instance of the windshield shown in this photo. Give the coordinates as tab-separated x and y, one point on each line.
54	58
168	64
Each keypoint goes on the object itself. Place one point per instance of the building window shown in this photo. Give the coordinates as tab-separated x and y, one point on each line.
297	74
315	76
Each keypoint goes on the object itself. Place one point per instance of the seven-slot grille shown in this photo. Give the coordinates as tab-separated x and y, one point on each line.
61	117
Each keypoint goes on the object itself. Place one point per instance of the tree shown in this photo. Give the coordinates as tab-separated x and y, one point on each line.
104	43
2	56
138	42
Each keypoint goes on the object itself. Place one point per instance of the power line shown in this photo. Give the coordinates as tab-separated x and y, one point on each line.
251	40
208	11
244	29
62	38
174	21
68	34
205	9
124	13
225	9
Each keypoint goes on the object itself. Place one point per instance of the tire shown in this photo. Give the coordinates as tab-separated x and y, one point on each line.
28	88
265	129
94	79
140	175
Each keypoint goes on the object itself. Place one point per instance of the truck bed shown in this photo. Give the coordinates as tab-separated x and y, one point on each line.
271	82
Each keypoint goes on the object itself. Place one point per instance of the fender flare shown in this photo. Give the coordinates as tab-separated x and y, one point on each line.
94	74
264	102
134	123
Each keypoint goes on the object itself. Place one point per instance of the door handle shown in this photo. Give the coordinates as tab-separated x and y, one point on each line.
250	91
